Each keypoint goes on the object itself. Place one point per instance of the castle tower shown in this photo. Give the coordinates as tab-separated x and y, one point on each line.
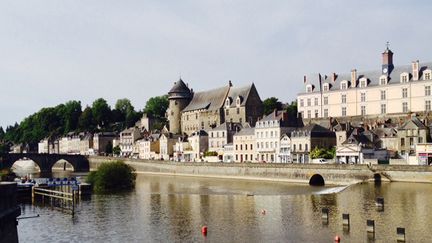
179	97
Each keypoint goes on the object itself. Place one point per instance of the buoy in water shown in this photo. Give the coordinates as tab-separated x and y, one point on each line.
263	211
204	230
337	239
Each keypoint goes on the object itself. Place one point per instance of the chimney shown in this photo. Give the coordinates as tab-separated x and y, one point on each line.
275	113
333	77
415	70
354	78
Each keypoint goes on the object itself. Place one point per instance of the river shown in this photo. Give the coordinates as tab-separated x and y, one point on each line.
173	209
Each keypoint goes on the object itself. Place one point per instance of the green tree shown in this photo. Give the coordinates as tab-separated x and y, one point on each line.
101	112
2	133
116	150
71	114
270	104
156	107
323	153
85	121
112	177
292	109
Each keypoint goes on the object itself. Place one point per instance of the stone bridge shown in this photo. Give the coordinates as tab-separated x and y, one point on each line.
45	162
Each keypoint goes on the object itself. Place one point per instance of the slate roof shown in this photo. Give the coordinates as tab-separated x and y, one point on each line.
274	116
372	77
210	100
415	121
180	90
242	92
246	132
313	130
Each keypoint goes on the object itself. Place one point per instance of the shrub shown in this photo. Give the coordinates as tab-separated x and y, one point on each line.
112	177
210	153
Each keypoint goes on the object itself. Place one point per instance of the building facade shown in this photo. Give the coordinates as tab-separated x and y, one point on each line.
394	90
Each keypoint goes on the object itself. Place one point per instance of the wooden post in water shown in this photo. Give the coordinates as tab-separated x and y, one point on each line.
380	204
325	216
370	228
346	221
400	234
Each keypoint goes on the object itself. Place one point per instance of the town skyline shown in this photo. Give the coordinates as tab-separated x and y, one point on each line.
80	51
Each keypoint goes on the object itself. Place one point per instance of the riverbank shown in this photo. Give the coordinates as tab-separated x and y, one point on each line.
293	173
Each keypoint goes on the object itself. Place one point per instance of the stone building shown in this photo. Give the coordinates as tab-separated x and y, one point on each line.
268	132
102	140
304	139
192	111
244	145
411	133
392	90
222	135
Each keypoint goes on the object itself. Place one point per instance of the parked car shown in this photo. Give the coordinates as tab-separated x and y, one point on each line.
319	161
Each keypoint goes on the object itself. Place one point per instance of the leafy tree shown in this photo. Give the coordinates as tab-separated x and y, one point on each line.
157	106
112	177
101	112
71	114
292	109
270	104
2	133
116	150
85	121
4	148
323	153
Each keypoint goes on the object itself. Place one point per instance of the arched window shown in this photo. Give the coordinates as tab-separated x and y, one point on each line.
239	100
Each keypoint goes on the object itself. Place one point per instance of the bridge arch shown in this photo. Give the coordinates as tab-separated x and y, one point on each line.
317	180
63	165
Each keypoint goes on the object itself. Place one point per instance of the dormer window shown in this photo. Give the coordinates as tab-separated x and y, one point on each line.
344	85
363	83
309	88
238	100
383	80
227	102
427	74
326	87
404	77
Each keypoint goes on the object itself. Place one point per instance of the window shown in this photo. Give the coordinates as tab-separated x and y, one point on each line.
306	147
300	147
402	141
420	140
343	111
309	89
363	97
427	90
326	87
301	103
325	113
404	92
240	120
383	94
427	75
316	113
325	100
238	110
294	147
308	102
383	81
427	105
344	85
404	78
343	98
363	110
383	109
227	112
251	147
316	101
309	114
363	83
404	107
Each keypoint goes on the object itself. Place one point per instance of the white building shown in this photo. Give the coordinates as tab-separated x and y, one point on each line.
244	145
127	141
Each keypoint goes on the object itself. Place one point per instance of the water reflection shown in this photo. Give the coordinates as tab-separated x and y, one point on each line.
173	209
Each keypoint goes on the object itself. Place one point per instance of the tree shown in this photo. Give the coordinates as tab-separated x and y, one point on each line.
85	121
292	109
101	112
157	106
71	114
116	150
323	153
270	104
2	133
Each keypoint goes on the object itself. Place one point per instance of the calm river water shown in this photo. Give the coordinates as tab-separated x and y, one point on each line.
173	209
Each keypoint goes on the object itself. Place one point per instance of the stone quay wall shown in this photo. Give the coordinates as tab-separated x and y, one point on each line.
9	211
336	174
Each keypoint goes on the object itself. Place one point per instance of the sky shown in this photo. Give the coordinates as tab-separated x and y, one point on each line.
54	51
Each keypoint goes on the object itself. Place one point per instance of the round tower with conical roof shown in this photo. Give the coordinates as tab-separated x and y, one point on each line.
179	97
